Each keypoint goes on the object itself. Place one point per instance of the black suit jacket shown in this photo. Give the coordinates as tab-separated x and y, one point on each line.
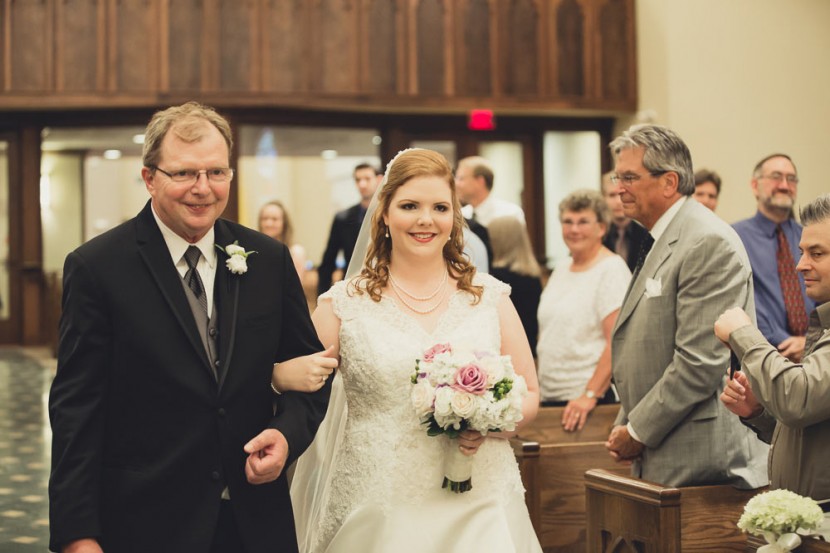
635	233
343	237
144	437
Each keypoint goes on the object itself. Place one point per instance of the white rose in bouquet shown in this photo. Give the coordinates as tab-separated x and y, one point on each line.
443	401
464	404
423	394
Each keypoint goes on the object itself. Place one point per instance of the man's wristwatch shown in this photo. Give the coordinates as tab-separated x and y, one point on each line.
590	394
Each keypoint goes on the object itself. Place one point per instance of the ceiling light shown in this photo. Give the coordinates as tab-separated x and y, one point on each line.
112	154
138	139
328	154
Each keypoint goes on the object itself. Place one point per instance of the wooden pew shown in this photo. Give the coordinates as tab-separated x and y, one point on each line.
627	514
553	463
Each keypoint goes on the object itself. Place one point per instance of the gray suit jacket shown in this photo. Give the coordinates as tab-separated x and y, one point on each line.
668	365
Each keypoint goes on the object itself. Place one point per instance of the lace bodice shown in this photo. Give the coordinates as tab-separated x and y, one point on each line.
386	458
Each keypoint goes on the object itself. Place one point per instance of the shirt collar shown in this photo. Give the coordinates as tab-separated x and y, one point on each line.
767	225
666	218
177	245
823	312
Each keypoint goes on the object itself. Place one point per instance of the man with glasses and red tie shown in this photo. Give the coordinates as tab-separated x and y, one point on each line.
771	239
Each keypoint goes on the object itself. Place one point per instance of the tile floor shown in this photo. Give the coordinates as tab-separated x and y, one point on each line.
25	441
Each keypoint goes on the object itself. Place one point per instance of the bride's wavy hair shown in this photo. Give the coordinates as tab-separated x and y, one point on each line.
406	166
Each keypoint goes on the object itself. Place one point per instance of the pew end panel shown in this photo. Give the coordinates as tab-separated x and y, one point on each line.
695	519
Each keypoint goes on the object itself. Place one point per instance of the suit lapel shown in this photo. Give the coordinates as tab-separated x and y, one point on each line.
226	301
660	252
153	249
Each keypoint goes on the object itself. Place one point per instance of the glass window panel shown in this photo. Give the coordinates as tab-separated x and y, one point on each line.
444	147
571	162
309	169
508	169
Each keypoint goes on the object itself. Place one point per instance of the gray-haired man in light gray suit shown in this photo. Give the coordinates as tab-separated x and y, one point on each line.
667	365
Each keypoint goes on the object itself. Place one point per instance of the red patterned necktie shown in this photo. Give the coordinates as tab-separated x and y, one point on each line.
790	287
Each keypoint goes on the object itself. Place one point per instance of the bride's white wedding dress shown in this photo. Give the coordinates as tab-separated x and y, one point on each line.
385	491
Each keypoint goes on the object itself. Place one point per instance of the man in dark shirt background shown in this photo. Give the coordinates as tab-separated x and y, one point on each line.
346	226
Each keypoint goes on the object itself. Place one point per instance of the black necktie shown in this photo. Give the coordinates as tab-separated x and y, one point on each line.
645	247
192	278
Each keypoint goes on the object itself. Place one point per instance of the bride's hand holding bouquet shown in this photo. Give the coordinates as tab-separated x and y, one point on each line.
466	394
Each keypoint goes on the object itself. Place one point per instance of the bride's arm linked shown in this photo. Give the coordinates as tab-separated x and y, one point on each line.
309	372
513	343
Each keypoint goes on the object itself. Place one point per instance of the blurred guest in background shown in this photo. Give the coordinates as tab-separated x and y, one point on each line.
474	184
771	239
577	312
707	188
514	263
346	226
624	236
275	222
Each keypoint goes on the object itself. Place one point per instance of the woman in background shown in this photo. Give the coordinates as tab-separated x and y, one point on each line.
514	264
275	222
577	313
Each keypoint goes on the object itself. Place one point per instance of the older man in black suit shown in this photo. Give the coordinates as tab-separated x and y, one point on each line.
167	435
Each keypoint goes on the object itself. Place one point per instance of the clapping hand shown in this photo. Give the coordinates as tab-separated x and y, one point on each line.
304	374
737	396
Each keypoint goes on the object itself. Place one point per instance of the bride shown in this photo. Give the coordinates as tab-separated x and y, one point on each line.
376	483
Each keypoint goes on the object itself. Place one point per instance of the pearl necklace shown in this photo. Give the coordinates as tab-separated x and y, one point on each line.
421	311
400	288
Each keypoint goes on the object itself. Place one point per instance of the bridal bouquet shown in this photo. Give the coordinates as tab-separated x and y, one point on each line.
777	516
456	389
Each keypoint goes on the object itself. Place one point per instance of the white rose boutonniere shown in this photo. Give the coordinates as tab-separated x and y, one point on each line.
237	261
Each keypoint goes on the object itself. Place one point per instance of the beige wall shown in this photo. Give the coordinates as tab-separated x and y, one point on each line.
62	217
739	79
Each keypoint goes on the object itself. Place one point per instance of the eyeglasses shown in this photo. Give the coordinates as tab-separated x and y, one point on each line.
577	223
778	177
216	175
630	178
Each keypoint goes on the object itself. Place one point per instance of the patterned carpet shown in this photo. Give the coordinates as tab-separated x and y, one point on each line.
25	441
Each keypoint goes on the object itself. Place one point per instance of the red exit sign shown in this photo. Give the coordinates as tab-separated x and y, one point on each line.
481	120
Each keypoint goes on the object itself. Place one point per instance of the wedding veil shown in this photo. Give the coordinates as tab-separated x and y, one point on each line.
313	470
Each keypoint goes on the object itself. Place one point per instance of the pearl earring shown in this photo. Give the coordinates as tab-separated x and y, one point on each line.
387	232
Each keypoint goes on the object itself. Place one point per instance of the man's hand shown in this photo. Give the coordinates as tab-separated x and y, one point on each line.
86	545
267	454
793	348
730	321
737	396
621	446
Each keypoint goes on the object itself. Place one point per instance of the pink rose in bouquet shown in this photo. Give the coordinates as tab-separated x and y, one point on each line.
430	354
471	379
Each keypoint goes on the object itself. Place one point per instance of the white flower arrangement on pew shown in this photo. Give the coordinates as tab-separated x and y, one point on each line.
778	516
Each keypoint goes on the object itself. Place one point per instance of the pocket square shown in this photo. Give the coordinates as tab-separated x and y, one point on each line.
654	287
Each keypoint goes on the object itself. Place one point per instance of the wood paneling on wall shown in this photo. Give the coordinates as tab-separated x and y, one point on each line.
518	55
